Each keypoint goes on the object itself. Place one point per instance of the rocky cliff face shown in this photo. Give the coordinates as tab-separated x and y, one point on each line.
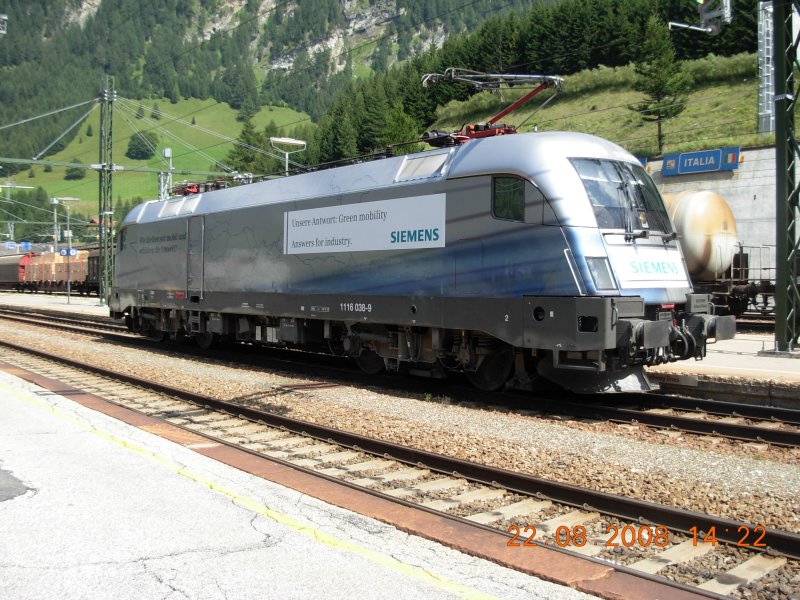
86	9
364	22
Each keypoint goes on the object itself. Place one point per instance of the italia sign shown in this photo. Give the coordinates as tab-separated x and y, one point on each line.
721	159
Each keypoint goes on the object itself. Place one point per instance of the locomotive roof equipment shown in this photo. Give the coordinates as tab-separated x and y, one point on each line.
491	82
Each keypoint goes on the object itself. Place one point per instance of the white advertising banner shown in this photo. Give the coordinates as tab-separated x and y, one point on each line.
401	224
647	267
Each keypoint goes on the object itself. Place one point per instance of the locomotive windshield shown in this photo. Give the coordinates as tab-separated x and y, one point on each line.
622	195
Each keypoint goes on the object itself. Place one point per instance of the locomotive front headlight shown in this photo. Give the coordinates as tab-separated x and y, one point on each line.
600	269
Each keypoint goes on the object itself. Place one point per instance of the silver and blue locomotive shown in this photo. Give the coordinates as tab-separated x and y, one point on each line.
507	258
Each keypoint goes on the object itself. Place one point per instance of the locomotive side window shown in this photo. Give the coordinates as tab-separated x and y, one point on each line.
508	198
121	239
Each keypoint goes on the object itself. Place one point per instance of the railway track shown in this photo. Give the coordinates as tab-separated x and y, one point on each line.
640	538
743	422
68	321
756	321
735	421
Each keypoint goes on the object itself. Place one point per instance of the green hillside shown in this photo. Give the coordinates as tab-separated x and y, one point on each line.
174	131
721	110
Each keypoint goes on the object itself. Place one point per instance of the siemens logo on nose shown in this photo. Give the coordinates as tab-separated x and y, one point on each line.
654	267
415	235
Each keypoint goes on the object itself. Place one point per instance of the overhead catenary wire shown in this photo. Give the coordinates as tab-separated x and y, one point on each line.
47	211
691	129
65	132
145	140
225	139
128	104
264	12
616	128
228	139
374	40
47	114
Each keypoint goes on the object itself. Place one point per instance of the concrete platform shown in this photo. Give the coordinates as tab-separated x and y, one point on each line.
91	507
85	305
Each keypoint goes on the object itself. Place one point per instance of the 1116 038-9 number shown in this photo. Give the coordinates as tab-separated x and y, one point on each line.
361	307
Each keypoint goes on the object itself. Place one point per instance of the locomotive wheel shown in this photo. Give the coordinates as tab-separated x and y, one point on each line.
157	335
494	371
205	340
369	362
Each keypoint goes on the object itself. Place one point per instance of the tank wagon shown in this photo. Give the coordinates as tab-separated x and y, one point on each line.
505	258
739	277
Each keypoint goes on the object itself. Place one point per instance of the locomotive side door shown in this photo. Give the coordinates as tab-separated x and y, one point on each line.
194	259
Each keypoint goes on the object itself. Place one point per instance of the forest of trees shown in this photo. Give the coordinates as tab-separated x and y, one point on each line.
559	38
168	49
153	49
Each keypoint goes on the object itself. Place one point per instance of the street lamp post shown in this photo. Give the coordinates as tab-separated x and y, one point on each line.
67	234
287	142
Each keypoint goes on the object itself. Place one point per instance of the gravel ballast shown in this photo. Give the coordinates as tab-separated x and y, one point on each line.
747	486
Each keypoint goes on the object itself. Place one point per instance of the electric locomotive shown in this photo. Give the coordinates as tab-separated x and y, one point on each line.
508	258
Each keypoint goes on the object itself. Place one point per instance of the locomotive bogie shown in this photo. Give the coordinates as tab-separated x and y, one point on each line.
485	258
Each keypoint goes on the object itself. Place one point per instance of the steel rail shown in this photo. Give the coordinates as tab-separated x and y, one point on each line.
69	322
602	407
790	416
737	431
674	519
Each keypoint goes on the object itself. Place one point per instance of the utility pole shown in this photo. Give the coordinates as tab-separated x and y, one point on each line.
106	201
165	177
54	202
787	298
67	234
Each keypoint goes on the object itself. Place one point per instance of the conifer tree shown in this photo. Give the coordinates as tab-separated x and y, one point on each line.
661	79
372	128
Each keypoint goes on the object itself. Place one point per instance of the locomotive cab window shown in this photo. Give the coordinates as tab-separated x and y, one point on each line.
622	195
508	198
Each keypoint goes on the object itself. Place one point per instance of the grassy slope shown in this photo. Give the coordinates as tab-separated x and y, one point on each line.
208	114
721	110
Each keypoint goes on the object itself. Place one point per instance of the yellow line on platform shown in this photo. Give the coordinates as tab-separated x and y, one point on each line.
288	521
